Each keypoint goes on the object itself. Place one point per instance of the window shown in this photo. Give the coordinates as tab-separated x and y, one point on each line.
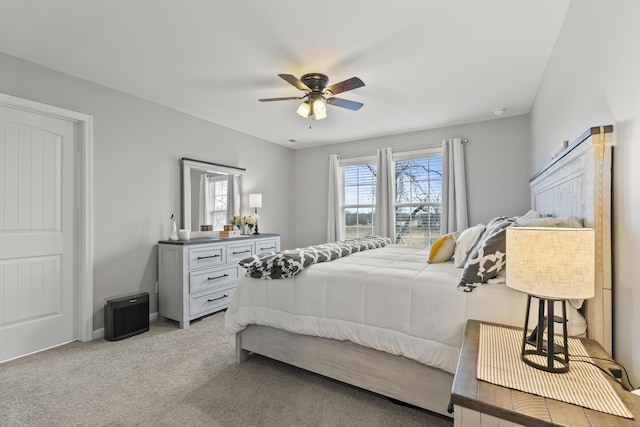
359	199
217	188
418	203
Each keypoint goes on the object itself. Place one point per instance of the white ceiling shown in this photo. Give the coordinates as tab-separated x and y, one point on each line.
425	63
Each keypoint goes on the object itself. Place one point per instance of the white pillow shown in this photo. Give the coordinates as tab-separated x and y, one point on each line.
465	242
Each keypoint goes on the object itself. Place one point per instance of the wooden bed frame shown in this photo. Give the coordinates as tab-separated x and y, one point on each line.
578	182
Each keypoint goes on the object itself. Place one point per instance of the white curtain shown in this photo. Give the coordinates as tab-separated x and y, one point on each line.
454	187
385	215
205	200
233	200
335	231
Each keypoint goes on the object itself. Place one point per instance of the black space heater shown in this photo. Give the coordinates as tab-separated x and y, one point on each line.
126	316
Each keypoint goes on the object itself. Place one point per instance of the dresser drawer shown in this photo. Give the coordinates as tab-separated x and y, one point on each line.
207	256
212	301
237	253
212	279
266	246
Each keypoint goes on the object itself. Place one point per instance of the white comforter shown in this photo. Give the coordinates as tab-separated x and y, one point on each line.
389	299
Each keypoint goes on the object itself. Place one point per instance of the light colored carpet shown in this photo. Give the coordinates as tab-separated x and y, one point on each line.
171	377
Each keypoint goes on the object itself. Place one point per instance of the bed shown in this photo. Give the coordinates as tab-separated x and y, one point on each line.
311	320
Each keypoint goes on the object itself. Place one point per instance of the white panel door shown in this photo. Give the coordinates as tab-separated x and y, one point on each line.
38	279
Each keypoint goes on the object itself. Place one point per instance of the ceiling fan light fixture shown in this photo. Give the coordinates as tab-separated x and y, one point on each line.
318	94
319	109
304	110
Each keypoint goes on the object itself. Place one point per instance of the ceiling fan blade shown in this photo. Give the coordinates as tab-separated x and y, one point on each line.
295	82
345	103
349	84
280	99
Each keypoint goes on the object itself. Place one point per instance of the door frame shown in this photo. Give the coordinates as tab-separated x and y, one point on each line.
83	204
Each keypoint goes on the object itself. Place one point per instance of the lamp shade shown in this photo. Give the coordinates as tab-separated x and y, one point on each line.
319	109
551	263
304	109
255	200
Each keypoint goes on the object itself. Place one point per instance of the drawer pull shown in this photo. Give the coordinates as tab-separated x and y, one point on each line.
241	252
210	256
272	247
217	277
219	298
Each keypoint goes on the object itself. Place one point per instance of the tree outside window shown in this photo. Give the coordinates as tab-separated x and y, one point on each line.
418	203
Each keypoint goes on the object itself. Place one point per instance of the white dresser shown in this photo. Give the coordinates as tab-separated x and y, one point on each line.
198	277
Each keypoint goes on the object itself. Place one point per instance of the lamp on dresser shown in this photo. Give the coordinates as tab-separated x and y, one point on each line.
255	201
551	265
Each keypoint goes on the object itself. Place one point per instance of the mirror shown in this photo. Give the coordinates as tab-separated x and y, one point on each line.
211	194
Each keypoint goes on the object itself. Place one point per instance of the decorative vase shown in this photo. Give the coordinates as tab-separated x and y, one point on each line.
174	229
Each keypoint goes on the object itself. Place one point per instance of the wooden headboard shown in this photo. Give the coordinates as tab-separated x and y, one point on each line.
578	183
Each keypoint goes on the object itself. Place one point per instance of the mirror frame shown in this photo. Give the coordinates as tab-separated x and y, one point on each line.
186	165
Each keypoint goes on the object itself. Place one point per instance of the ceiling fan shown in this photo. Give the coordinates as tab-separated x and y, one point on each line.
318	94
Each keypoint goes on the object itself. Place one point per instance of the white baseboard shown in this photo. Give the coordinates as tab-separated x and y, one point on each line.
98	334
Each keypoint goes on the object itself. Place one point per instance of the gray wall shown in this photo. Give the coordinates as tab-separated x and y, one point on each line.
497	171
593	79
137	147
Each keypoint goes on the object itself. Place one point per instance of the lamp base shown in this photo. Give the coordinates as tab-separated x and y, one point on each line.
546	354
256	227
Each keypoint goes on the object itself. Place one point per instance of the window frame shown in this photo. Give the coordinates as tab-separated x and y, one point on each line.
356	161
399	155
429	152
211	189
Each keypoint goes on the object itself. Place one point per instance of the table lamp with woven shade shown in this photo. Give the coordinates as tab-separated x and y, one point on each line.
255	201
549	264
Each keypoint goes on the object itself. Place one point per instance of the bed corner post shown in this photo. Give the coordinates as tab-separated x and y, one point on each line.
241	354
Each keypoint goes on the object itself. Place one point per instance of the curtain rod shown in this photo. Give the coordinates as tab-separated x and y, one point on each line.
426	147
400	150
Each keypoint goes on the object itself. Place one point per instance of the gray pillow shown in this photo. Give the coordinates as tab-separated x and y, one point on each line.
488	257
